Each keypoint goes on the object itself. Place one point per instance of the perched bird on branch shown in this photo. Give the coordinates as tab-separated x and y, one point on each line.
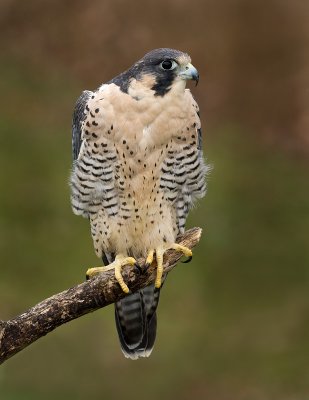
138	168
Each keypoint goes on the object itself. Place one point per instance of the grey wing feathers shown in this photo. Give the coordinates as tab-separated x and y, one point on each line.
195	184
199	136
78	117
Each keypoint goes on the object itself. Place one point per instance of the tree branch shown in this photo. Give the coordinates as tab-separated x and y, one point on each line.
19	332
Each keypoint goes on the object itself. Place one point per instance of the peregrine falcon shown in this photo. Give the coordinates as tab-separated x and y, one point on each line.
138	168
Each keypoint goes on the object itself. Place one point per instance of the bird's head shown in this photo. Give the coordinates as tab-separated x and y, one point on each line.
159	71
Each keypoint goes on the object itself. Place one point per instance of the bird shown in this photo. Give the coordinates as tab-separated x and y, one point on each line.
138	168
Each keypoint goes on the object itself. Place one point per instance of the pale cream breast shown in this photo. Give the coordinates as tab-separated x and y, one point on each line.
140	133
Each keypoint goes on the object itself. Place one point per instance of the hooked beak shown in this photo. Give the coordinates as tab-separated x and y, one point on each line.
189	72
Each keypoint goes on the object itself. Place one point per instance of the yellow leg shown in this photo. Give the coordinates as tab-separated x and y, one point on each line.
159	257
120	261
149	258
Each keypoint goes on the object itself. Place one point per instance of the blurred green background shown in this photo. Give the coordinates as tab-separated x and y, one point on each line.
233	324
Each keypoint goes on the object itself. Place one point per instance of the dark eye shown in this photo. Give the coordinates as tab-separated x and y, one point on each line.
168	64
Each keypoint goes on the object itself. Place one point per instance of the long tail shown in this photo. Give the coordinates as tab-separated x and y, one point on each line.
136	322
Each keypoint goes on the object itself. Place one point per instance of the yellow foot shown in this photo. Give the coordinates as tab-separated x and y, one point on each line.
159	257
120	261
149	258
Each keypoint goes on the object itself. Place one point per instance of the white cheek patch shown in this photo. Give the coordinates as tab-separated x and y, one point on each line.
139	89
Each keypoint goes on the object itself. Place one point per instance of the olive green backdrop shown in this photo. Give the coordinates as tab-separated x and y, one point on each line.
234	323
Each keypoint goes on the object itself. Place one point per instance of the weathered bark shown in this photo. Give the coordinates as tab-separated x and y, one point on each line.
19	332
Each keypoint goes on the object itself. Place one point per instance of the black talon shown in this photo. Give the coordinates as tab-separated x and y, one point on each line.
146	266
187	260
138	269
